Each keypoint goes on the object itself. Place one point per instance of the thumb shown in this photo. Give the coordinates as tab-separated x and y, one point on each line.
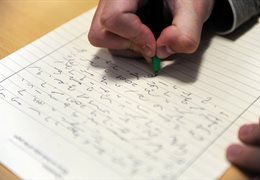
183	36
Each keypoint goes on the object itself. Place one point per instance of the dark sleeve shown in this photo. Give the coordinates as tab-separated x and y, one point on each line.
228	15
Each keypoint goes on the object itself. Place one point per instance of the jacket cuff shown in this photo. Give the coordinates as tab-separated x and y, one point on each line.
223	18
228	15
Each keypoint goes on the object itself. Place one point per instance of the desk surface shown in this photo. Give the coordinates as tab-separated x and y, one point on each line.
23	21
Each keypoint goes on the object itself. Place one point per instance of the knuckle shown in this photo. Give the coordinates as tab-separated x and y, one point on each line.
103	20
134	29
106	19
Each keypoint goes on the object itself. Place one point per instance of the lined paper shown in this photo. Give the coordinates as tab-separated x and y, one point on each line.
70	110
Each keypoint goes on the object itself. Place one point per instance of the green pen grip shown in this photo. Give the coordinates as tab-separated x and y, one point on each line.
156	64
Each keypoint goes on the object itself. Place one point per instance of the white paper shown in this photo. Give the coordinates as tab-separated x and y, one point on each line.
72	111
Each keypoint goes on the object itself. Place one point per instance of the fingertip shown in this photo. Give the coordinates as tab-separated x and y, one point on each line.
148	50
175	40
233	152
189	44
148	59
165	43
244	156
245	131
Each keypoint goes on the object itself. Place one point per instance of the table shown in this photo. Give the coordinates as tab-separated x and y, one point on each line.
23	21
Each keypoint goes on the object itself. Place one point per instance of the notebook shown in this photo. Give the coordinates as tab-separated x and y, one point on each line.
73	111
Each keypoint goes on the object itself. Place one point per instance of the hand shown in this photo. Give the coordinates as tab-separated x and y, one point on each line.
117	27
247	156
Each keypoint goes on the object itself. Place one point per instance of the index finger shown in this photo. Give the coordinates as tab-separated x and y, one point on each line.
119	18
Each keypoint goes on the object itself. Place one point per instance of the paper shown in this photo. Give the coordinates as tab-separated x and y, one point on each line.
72	111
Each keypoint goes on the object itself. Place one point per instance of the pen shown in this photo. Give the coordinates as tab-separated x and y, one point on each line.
156	62
156	25
152	15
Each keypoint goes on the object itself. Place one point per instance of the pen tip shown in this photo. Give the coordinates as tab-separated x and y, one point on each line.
156	73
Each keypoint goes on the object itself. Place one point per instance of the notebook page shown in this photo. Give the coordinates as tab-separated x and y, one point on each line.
73	111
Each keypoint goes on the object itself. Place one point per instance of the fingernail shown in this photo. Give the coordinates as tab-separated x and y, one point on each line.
233	152
164	52
246	130
148	52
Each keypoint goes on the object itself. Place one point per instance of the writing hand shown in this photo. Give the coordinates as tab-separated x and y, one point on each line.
117	27
248	155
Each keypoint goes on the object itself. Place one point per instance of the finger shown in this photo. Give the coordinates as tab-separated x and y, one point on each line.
123	22
98	36
250	134
183	36
246	157
140	37
108	32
